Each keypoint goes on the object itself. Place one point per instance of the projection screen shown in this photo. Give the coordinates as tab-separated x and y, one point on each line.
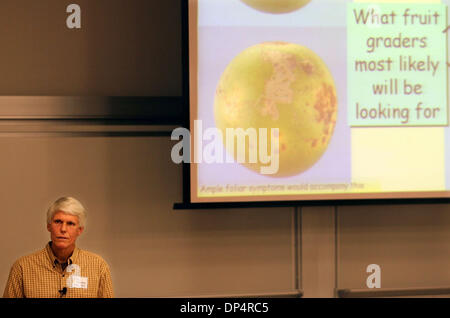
300	100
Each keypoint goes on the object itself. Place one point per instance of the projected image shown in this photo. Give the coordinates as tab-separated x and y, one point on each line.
279	6
348	97
279	85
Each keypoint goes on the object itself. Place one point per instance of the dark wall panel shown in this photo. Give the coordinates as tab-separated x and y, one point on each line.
124	48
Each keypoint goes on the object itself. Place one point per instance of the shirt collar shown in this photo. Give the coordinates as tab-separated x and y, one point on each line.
72	259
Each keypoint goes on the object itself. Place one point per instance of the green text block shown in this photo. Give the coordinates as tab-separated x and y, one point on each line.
397	64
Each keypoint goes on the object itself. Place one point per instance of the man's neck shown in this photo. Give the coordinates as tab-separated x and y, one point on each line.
62	255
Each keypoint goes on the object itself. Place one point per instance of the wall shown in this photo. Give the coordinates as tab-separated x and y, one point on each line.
129	185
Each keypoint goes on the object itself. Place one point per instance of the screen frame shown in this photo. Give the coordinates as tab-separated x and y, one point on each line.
192	201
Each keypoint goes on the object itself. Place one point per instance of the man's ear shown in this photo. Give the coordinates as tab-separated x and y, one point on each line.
80	230
48	227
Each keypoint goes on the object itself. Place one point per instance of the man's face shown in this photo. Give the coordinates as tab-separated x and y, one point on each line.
64	230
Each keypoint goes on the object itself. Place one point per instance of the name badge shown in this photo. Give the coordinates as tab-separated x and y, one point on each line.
78	282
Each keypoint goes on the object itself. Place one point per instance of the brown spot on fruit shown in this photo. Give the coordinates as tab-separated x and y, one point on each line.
325	104
307	67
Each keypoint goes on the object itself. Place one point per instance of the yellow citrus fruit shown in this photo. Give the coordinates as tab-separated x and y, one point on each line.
279	85
276	6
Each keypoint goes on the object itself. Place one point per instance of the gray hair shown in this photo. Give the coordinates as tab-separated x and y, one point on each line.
70	206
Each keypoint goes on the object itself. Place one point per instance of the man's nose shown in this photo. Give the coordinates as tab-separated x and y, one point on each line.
63	227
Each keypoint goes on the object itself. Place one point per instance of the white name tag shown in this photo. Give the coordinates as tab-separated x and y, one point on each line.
78	282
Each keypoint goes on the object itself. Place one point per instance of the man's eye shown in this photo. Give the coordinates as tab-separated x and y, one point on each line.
58	221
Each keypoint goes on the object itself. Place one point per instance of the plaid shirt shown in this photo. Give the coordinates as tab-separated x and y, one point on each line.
40	275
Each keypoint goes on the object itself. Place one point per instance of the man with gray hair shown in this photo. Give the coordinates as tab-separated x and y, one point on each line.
61	269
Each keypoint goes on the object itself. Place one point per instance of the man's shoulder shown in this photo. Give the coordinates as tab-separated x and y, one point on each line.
30	258
91	257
